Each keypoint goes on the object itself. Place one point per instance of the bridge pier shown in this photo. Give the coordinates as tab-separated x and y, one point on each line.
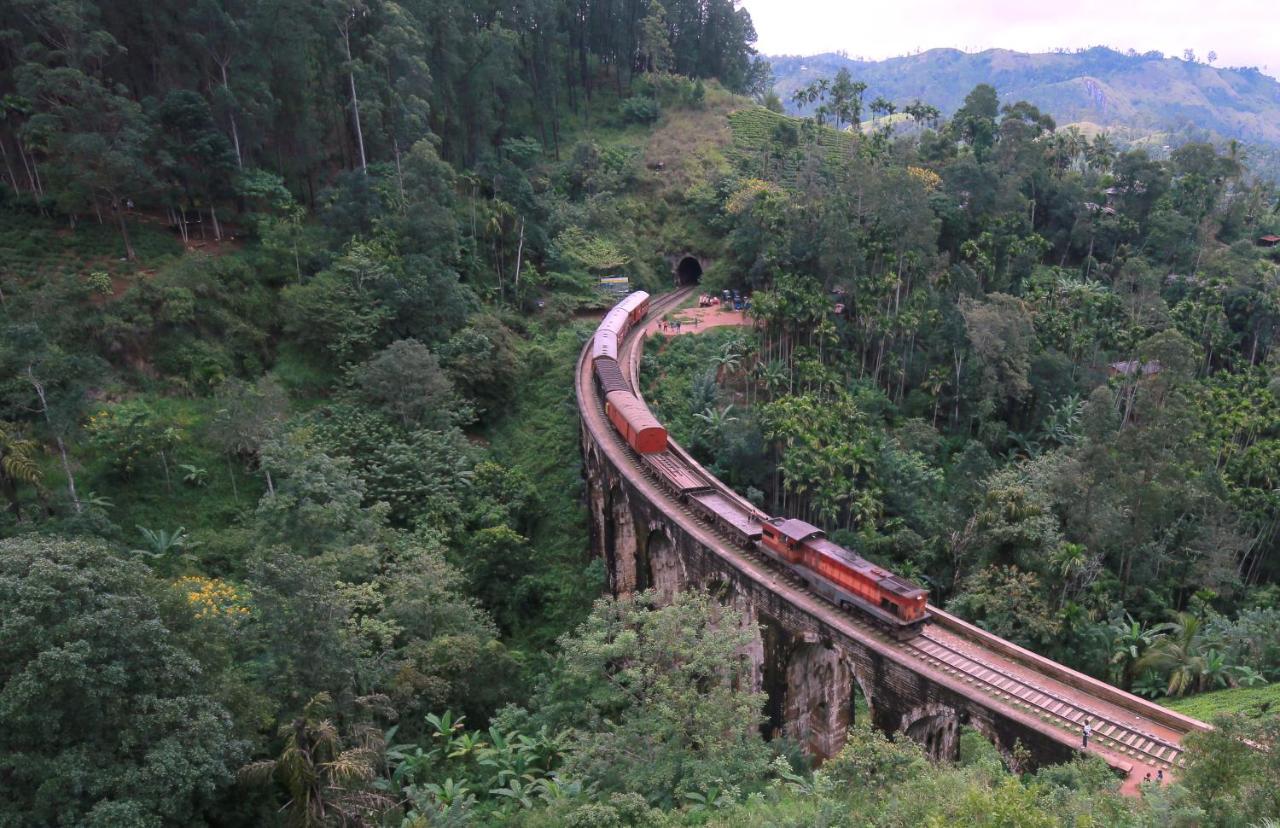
662	564
818	703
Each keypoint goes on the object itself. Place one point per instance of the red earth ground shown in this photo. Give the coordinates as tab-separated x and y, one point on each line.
693	320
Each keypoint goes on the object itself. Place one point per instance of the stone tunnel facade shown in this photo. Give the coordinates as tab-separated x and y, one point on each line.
807	668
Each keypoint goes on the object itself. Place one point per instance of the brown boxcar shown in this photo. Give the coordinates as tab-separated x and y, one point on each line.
634	422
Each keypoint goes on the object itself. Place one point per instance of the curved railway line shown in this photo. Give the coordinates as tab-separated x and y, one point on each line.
1133	735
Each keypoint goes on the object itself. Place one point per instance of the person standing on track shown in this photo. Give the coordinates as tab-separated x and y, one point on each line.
1088	729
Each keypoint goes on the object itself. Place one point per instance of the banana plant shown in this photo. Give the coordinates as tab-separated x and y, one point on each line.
162	543
520	790
448	792
194	476
711	799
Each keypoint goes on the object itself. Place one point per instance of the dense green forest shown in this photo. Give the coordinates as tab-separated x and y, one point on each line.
291	295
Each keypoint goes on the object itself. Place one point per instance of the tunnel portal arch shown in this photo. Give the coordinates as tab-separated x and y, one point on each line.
688	271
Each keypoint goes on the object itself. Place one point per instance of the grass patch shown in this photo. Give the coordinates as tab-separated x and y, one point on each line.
687	145
146	498
1251	701
539	436
32	245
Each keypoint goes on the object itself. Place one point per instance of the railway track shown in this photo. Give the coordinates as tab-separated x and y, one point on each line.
1050	706
1118	729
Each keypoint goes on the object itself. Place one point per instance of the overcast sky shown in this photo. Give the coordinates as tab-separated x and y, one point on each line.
1242	32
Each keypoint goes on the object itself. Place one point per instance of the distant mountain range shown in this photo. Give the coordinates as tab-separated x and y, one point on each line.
1137	95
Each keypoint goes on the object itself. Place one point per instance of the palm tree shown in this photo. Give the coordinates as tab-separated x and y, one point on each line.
934	384
1070	560
1102	152
773	376
715	421
1130	640
325	780
727	361
17	465
1181	655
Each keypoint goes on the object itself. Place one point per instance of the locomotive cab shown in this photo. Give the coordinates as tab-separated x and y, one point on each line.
787	536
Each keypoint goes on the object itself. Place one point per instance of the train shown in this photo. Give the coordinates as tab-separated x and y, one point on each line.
837	574
628	415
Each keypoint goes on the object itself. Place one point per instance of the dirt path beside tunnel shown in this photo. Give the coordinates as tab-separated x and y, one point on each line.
693	320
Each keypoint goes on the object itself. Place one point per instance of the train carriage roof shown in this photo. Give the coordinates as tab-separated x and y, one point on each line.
605	344
796	530
632	301
632	410
614	321
901	586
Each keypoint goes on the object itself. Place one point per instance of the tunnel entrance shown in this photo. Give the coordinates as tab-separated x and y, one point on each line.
688	272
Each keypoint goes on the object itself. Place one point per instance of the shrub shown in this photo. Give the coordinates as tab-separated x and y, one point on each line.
640	110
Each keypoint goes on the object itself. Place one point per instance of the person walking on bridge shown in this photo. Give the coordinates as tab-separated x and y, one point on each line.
1088	729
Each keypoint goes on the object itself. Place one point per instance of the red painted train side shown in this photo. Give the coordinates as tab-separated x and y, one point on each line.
857	582
629	416
634	422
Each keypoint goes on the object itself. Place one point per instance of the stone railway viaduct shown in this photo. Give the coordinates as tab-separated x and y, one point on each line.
808	656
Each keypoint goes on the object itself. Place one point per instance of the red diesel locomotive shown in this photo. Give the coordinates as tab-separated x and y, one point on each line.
845	578
839	575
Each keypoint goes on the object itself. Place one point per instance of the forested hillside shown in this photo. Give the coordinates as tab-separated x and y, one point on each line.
291	296
1146	98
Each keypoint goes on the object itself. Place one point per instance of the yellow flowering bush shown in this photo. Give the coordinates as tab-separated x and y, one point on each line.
745	194
930	179
213	597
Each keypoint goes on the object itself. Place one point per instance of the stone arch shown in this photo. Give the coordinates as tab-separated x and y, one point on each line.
688	271
818	696
936	728
992	734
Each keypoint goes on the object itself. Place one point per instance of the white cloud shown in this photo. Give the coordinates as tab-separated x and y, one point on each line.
1242	32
